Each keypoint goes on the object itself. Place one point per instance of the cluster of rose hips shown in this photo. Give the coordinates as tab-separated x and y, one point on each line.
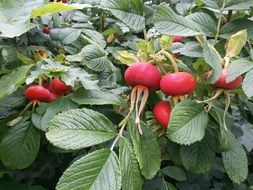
144	77
46	92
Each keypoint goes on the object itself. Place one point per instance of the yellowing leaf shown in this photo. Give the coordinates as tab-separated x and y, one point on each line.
235	43
127	58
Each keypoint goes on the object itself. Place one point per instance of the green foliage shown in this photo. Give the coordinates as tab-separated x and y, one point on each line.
90	137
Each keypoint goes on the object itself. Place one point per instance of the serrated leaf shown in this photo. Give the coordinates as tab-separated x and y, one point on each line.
213	58
13	25
188	122
10	82
130	12
175	173
131	174
235	161
236	25
191	49
65	35
146	149
98	170
79	128
247	84
51	8
79	74
199	157
19	147
96	97
59	105
205	22
95	58
237	68
229	5
94	37
235	43
169	23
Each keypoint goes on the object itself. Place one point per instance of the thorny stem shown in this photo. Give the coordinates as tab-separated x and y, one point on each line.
102	17
172	60
219	21
145	33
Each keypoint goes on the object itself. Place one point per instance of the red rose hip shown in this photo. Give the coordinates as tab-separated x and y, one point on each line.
142	73
46	29
161	112
38	93
59	87
221	83
178	84
177	39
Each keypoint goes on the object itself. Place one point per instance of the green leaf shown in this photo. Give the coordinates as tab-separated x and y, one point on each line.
19	148
79	74
98	170
229	5
235	43
13	25
65	35
130	12
236	25
175	173
95	58
79	128
199	157
51	8
94	37
237	68
10	82
213	58
96	97
59	105
188	122
146	149
247	84
169	23
235	161
205	22
191	49
131	174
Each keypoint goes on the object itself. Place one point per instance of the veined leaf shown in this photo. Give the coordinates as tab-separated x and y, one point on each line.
188	122
51	8
79	128
169	23
199	157
98	170
19	148
146	149
213	58
131	174
237	68
247	84
10	82
229	5
235	161
97	97
130	12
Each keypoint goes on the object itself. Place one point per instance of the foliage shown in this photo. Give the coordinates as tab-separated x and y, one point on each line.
78	141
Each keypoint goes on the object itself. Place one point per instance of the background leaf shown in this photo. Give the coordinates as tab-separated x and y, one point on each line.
19	147
169	23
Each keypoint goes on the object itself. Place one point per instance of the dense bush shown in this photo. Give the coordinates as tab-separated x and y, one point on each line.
126	94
